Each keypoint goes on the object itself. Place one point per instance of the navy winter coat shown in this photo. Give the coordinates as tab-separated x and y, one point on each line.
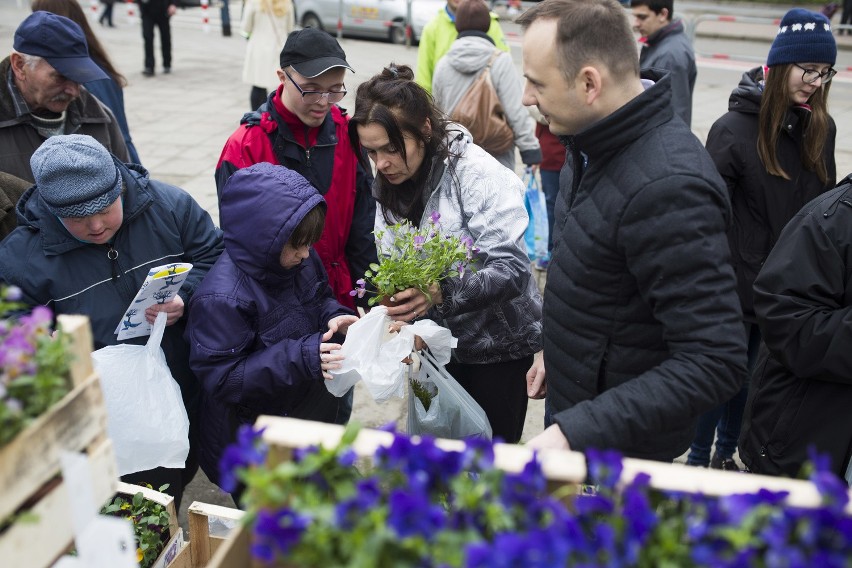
161	224
255	327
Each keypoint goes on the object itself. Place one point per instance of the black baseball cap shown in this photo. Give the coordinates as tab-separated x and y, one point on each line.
60	42
312	52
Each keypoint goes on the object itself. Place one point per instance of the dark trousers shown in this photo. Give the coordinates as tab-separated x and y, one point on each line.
501	391
160	19
725	420
550	187
107	14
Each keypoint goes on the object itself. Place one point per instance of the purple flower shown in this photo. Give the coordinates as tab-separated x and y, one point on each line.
361	289
411	514
604	467
368	494
435	217
277	531
13	294
249	450
40	318
418	242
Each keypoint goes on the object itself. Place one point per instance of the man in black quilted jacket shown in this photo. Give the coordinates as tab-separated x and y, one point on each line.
642	326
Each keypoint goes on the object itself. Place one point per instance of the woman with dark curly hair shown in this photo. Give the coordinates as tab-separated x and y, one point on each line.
427	168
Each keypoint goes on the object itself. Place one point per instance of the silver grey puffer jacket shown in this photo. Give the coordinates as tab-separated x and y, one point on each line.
495	312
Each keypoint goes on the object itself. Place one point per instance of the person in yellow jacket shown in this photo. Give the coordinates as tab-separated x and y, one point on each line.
437	37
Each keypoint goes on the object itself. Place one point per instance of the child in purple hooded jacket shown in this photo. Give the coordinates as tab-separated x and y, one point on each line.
264	325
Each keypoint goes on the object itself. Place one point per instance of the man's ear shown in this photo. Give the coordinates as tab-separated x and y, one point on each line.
18	63
664	12
281	75
591	83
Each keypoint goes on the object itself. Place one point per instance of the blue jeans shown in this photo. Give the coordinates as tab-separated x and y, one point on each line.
550	187
726	419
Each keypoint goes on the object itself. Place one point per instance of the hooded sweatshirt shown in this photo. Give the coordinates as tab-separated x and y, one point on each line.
462	65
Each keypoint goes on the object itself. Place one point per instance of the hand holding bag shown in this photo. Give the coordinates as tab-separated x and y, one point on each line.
146	418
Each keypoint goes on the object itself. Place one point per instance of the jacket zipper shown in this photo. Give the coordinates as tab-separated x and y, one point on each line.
112	255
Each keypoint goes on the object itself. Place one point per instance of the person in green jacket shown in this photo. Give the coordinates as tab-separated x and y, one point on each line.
439	34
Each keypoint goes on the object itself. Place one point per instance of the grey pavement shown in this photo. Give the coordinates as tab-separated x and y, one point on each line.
180	122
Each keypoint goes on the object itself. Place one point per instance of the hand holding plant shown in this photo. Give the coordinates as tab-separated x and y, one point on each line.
414	258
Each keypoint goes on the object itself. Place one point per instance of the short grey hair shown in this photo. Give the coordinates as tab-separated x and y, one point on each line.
30	61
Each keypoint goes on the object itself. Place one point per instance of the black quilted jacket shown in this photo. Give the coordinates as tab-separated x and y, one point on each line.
642	326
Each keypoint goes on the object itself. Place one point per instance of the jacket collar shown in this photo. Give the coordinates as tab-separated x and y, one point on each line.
475	33
640	115
673	28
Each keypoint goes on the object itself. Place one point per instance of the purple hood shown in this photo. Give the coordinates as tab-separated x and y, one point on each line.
267	202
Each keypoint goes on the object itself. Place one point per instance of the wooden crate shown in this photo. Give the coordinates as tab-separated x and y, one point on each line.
560	467
30	466
202	544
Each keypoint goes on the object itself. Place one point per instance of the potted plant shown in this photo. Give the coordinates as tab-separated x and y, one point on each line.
150	523
33	364
418	502
414	258
50	402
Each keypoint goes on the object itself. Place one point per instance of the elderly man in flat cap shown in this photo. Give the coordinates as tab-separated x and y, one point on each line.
40	93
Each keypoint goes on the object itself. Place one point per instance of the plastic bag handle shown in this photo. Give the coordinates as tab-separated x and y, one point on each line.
153	345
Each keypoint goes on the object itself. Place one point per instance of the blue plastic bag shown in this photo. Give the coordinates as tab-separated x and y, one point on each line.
536	234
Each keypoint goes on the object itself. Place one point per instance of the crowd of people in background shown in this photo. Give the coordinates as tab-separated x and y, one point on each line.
696	293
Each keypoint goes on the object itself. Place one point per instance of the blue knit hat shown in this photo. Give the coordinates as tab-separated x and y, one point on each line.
75	175
803	37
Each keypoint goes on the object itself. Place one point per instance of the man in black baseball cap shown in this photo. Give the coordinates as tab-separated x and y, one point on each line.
40	93
312	52
302	128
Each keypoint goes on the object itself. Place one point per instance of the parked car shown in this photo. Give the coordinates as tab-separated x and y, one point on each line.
383	19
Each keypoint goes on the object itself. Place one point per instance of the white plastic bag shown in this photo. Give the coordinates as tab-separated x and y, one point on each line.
146	418
452	413
373	354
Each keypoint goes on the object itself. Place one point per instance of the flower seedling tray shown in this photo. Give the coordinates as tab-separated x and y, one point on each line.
282	435
176	553
32	492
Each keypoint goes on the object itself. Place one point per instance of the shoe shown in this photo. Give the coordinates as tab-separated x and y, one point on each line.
725	464
148	72
167	70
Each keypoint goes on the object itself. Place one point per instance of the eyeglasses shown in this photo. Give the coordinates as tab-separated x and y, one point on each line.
810	76
313	97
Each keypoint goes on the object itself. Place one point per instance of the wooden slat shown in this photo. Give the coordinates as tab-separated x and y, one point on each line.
202	545
32	458
38	544
234	553
77	327
559	466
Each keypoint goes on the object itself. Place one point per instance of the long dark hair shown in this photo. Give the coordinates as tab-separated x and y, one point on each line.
395	102
72	10
774	105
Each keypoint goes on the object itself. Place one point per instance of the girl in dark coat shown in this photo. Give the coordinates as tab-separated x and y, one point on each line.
264	325
775	150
